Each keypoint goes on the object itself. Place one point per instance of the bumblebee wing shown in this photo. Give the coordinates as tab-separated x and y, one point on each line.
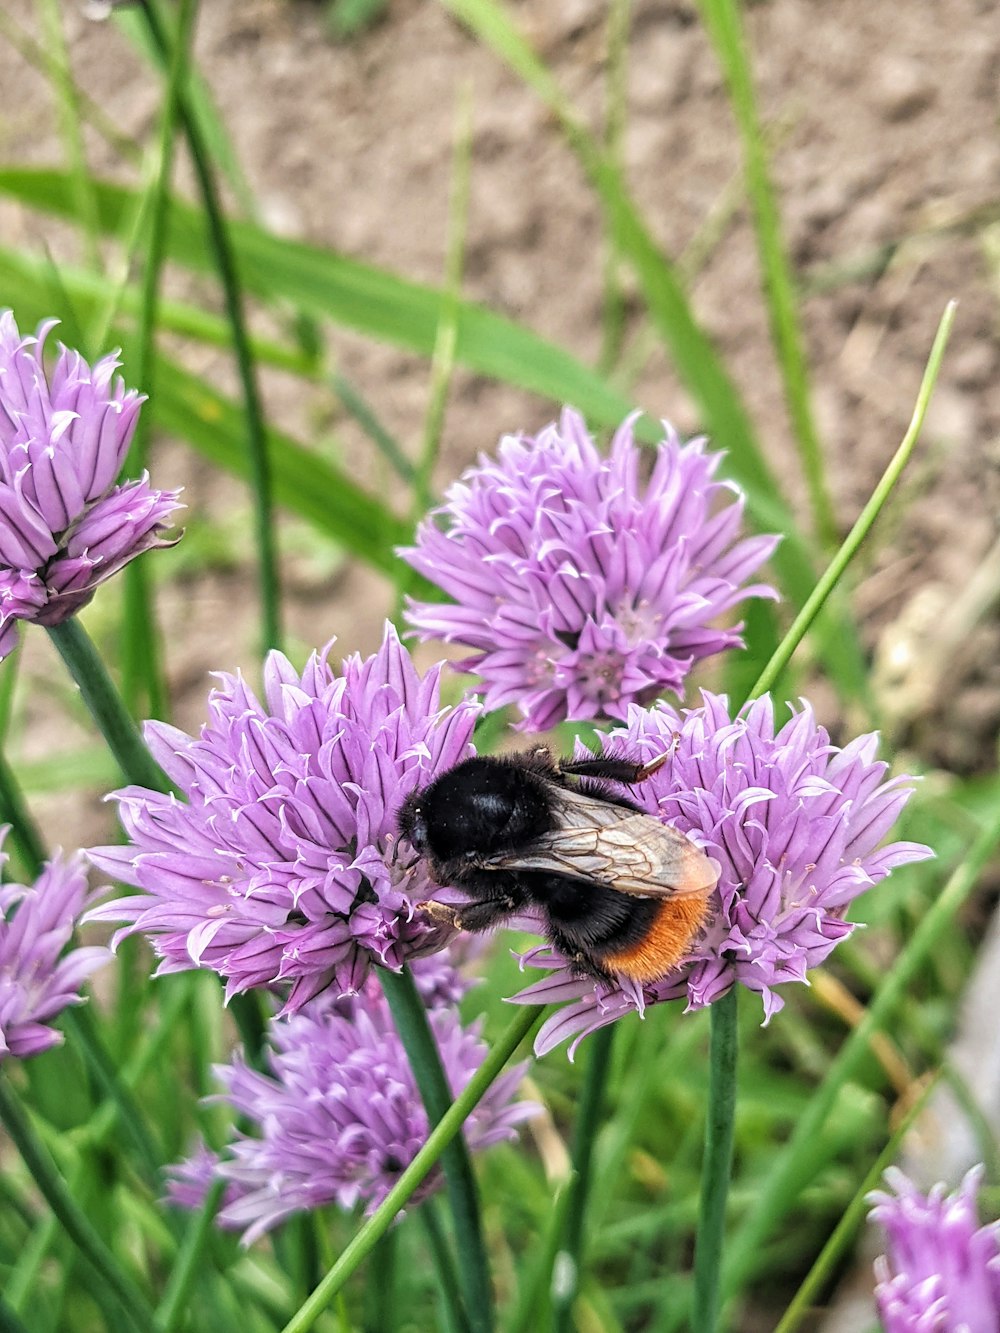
621	848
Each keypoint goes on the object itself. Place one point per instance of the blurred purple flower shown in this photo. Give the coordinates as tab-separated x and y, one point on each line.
188	1182
580	589
36	985
339	1117
281	867
65	526
795	824
942	1270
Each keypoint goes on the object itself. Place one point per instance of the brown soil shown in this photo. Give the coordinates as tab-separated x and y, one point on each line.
887	161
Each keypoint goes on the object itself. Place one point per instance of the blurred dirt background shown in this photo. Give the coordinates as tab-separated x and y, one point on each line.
887	160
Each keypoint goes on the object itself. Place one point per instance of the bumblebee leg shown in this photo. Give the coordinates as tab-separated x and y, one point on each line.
473	916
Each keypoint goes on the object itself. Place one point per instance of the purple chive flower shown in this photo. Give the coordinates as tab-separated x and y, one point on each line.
280	866
795	823
580	589
65	526
942	1270
339	1117
36	985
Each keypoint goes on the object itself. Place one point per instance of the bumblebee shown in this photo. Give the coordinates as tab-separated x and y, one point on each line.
620	893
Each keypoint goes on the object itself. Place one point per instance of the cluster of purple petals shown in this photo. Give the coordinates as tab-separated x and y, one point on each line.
38	981
279	867
65	526
338	1118
795	823
579	588
941	1271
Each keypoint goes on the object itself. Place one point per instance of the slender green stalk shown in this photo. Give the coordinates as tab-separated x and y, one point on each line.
78	1022
722	1086
171	1308
569	1259
71	127
74	1221
791	1168
141	663
225	261
614	306
363	413
106	705
380	1292
40	58
535	1277
14	811
444	1263
840	1238
9	1322
381	1220
80	1026
723	23
866	518
410	1016
443	359
723	1046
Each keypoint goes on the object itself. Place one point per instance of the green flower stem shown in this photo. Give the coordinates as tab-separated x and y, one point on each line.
106	705
852	542
74	1221
723	1045
722	21
588	1117
225	262
173	1305
792	1167
141	661
722	1085
78	1023
9	1322
381	1220
410	1016
444	1261
14	811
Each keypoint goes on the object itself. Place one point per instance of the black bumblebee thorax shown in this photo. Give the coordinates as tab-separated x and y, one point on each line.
482	806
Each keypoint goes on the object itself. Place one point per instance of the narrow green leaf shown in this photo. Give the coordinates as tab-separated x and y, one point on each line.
723	23
189	409
360	296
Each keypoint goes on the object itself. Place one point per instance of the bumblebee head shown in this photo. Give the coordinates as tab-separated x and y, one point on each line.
412	822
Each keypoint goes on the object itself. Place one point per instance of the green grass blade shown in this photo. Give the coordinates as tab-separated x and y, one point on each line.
26	282
866	519
210	126
832	1253
791	1169
424	1057
225	265
143	680
717	1168
723	23
73	1219
190	409
71	125
360	296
